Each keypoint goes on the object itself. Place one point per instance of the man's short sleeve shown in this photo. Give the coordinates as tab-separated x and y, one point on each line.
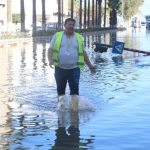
52	42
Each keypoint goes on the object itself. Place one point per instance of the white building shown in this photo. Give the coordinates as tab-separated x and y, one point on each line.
3	16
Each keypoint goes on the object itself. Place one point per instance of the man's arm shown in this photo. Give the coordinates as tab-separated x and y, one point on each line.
88	63
49	55
50	50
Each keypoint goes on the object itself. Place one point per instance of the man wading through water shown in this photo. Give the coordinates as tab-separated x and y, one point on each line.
67	54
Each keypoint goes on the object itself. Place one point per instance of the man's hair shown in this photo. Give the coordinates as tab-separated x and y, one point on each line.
69	19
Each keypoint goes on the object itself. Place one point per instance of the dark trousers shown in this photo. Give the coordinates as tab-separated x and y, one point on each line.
72	76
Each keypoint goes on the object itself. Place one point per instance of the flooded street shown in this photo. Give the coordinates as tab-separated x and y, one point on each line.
114	108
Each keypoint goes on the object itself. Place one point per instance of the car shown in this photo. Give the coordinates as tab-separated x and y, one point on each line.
38	28
143	24
51	26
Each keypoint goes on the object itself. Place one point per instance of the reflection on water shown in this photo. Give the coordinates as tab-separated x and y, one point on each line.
119	91
118	60
67	137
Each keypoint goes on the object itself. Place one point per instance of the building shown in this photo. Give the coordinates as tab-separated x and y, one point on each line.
3	16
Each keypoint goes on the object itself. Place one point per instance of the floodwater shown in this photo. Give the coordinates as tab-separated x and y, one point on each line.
114	103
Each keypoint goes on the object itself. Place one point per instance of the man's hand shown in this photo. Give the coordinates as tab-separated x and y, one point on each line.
51	64
92	69
49	54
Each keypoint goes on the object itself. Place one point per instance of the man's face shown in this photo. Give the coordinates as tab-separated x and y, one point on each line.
69	26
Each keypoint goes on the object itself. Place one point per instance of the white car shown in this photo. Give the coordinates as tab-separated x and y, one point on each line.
143	24
51	26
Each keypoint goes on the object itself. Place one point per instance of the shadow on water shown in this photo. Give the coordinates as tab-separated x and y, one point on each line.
118	60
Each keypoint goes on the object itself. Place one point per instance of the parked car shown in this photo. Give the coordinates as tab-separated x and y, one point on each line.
38	28
51	26
143	24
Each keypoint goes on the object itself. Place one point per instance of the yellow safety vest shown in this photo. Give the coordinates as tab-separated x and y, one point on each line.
57	47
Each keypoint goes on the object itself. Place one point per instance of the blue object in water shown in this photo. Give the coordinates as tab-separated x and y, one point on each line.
118	47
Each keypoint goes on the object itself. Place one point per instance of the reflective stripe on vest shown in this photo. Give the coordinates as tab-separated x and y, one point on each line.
57	47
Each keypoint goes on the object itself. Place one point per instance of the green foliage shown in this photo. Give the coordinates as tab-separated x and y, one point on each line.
16	18
131	8
13	35
114	4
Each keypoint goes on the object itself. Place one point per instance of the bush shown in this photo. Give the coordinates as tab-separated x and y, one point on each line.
12	35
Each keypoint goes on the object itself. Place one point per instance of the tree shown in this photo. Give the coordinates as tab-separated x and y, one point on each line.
114	7
59	14
105	3
80	18
43	15
16	18
84	13
96	13
72	9
9	14
62	12
34	18
22	14
130	8
88	23
93	13
99	12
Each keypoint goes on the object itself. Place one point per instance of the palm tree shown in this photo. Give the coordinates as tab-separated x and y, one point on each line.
72	10
88	24
105	13
59	14
80	22
9	14
22	12
34	18
93	13
84	13
96	18
99	12
113	5
43	15
62	12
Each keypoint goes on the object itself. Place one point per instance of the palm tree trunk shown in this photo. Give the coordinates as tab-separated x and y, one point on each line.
93	13
34	18
59	14
96	18
80	14
9	15
114	13
43	16
111	18
99	12
22	12
72	9
105	14
84	13
62	12
88	24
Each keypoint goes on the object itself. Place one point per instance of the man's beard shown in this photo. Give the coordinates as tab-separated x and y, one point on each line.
71	30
